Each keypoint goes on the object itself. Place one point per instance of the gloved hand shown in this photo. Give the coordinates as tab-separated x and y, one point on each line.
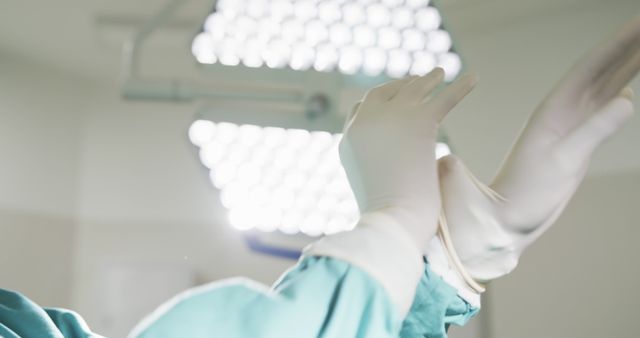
486	228
387	153
386	146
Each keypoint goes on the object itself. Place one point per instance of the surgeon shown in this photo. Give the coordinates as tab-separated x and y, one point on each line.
430	236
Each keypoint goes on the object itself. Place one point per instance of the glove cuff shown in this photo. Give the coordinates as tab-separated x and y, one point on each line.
444	261
380	246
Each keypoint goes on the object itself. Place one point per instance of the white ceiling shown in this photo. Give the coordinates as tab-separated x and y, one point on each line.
85	38
536	39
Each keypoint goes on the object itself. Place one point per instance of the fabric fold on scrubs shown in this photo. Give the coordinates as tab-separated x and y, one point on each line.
435	308
21	317
319	297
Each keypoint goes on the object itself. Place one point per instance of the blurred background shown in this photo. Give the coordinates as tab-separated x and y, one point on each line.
107	205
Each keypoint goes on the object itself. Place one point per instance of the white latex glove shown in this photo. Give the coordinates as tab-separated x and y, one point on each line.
489	227
384	146
385	151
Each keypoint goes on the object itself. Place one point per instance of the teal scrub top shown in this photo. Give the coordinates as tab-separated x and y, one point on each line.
319	297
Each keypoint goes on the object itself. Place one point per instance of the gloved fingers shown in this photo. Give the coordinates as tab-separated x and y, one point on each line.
606	69
449	97
422	86
351	116
619	76
386	91
582	141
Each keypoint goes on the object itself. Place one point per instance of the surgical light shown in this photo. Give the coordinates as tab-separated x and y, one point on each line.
272	178
328	36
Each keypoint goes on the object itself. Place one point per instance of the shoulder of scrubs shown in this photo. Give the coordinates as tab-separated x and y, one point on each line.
21	317
319	297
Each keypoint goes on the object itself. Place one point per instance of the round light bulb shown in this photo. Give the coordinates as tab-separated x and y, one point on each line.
201	132
270	219
375	61
229	52
258	196
273	136
212	153
281	9
413	40
329	11
353	14
336	224
277	54
240	218
316	183
427	19
389	38
392	3
314	224
267	30
284	158
237	153
233	195
222	174
423	62
350	60
316	32
402	17
295	180
283	197
226	132
417	3
215	24
326	58
340	34
256	8
202	48
304	202
320	141
305	9
298	138
438	41
291	222
252	53
364	36
245	26
451	64
378	15
250	134
249	174
292	30
399	63
302	57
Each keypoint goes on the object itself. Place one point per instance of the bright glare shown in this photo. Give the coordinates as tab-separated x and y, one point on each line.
271	178
442	149
326	35
451	64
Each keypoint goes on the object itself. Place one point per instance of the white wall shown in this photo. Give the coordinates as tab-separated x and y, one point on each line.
518	60
145	199
581	278
40	125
